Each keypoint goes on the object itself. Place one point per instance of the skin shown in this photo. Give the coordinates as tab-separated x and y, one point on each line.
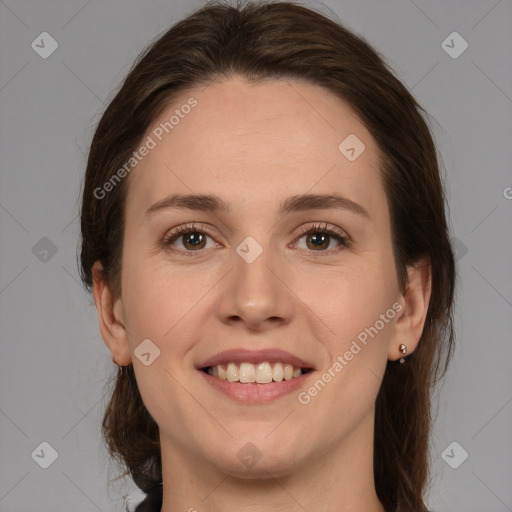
255	145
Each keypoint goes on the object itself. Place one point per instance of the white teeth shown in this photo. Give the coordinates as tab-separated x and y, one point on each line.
221	372
232	372
247	373
262	373
278	374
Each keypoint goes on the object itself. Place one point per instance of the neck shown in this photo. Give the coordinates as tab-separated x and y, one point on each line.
339	480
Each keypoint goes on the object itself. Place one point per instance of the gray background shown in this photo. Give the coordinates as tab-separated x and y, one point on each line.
54	366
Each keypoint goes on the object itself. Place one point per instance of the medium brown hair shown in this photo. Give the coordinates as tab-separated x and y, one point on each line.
282	40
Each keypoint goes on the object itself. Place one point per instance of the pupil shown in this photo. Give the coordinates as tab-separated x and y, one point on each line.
195	239
316	236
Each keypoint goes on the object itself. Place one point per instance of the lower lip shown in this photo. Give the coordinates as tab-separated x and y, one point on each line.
253	392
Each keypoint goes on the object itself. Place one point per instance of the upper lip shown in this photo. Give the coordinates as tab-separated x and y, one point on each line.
241	355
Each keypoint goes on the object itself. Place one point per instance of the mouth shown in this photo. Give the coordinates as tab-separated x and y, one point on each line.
263	373
252	377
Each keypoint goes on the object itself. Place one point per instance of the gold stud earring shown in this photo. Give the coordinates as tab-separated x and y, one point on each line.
403	351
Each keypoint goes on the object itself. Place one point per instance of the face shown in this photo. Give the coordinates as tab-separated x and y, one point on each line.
263	272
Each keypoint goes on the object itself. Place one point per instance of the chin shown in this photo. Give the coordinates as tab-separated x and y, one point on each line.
258	458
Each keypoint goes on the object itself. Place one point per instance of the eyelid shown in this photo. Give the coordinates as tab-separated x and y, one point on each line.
325	227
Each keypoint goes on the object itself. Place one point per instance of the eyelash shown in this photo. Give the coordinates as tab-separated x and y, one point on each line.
339	236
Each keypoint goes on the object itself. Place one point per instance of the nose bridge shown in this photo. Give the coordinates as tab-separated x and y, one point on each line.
254	294
253	279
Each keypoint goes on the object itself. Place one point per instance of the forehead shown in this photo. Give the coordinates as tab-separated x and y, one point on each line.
255	143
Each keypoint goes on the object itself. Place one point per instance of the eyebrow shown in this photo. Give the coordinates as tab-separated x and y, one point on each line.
212	203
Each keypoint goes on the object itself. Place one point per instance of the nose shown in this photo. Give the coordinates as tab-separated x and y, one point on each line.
257	294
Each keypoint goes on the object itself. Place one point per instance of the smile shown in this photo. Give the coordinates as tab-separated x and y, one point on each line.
262	373
247	390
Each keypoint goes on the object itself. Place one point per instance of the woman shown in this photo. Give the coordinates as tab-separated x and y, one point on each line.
263	227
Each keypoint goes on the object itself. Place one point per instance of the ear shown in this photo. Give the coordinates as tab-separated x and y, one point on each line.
415	299
111	318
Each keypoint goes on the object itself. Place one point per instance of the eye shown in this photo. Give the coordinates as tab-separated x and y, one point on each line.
193	238
318	238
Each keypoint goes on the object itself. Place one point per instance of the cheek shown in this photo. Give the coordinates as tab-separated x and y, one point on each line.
158	307
156	300
347	300
167	305
355	313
